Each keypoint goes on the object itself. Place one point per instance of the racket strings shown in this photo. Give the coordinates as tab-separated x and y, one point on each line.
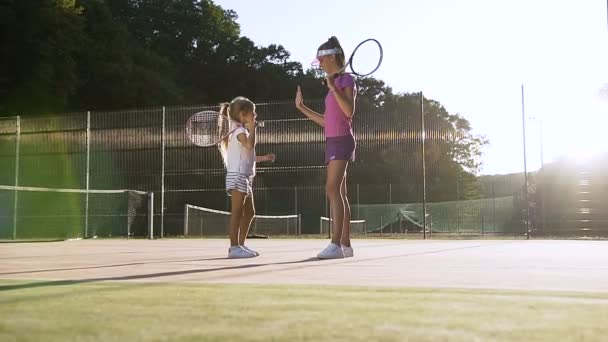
207	128
366	58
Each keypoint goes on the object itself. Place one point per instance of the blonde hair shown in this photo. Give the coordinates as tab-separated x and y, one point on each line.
233	112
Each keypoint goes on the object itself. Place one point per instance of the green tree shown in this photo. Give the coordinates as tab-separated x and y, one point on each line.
39	42
115	70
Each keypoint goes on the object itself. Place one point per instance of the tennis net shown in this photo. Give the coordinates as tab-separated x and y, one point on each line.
205	222
52	213
356	226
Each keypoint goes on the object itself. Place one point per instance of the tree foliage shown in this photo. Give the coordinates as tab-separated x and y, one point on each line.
68	55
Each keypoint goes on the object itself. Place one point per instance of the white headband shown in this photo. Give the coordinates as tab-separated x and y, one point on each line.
334	51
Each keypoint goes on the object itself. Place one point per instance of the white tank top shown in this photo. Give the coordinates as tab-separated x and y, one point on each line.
239	158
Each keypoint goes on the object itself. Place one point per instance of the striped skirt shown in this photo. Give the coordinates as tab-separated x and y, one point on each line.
240	182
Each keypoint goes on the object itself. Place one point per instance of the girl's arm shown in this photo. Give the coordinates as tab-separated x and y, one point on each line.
248	141
268	157
344	97
311	114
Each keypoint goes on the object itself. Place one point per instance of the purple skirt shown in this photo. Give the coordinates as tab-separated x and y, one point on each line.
340	148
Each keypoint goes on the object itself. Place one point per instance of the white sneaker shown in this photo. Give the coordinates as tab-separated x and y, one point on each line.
250	250
348	251
238	252
332	251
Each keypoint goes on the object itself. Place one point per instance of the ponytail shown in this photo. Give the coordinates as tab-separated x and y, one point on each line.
231	111
223	146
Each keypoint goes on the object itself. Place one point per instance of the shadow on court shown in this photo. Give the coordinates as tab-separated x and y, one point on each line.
142	276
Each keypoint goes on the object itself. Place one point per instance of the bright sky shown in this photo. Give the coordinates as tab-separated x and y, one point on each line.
472	56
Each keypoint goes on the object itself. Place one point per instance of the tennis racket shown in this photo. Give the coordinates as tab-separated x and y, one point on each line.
208	128
365	59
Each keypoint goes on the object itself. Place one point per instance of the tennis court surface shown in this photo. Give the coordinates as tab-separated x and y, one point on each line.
485	264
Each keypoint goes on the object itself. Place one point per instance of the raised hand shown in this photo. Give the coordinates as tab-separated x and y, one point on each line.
299	98
271	157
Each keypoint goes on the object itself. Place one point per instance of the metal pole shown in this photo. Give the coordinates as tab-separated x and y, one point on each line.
523	121
185	220
162	182
321	225
390	201
543	199
494	207
88	142
328	212
16	197
423	166
358	204
457	208
299	224
540	175
151	215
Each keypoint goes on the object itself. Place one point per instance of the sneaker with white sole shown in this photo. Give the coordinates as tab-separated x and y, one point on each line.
332	251
348	251
238	252
250	250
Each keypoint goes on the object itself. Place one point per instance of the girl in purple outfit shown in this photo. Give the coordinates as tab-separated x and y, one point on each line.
339	142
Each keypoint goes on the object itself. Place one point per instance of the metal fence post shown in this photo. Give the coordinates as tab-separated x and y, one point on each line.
151	215
358	204
16	197
88	143
162	182
390	202
423	133
526	191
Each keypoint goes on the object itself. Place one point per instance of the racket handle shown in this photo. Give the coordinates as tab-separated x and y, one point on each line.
324	81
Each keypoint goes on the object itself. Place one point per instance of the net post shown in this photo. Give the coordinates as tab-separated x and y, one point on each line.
162	181
128	214
358	203
330	225
299	224
151	215
255	225
321	225
16	196
88	142
390	201
185	220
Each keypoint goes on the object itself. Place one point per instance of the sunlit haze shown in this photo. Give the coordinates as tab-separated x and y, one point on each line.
472	56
